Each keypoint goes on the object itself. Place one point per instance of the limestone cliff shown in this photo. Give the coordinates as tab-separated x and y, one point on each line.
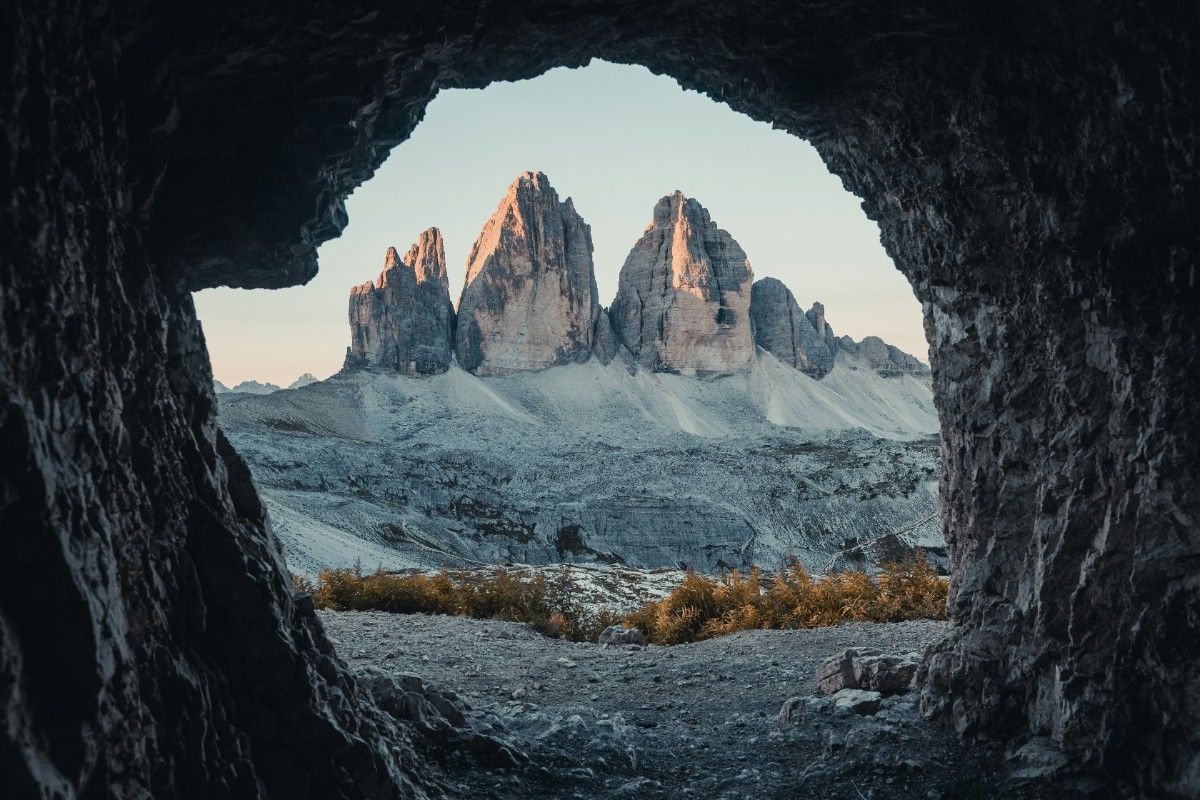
530	299
783	330
404	321
683	300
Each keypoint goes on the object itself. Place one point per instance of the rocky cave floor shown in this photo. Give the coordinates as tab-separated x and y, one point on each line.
690	721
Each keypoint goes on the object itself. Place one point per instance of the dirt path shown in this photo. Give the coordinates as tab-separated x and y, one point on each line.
692	721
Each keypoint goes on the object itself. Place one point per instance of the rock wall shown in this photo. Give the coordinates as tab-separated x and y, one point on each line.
530	299
404	322
783	330
683	298
1032	170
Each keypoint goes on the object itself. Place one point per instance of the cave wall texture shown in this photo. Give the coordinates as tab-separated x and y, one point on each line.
1033	171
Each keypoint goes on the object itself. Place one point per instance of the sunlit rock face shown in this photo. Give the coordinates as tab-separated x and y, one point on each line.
783	330
530	298
404	321
683	301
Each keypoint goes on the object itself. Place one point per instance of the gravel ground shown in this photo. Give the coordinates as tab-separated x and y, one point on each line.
691	721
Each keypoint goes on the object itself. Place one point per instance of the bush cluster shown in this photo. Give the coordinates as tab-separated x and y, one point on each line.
699	608
551	607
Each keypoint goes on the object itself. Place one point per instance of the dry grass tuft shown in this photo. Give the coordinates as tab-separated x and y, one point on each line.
699	608
551	607
702	608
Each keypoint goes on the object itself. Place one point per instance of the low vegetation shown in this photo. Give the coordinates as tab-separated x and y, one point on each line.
699	608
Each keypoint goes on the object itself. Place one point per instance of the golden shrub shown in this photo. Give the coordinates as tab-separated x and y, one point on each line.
699	608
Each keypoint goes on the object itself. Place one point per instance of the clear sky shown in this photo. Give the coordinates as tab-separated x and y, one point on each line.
614	138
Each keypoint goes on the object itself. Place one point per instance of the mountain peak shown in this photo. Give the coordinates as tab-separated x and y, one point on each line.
404	321
530	299
683	301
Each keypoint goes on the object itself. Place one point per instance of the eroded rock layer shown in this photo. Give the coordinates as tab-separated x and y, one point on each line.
884	358
683	300
530	298
404	321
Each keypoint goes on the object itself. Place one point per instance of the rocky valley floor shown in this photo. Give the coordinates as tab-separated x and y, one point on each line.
692	721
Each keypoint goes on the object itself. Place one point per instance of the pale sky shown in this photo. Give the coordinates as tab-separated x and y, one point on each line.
614	138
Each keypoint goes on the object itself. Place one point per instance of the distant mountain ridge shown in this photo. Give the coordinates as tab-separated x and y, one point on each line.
255	387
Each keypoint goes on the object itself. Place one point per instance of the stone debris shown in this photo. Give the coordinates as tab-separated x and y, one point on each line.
859	701
619	634
737	716
860	668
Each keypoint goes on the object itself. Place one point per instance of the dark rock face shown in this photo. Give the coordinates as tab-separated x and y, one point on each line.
1032	170
530	299
404	322
784	331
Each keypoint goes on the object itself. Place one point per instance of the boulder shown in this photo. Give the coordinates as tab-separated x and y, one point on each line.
530	299
837	672
619	634
404	321
885	674
861	668
683	299
859	701
786	332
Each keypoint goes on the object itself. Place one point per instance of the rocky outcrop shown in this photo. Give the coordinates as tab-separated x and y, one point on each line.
530	298
303	380
783	330
683	300
816	317
404	322
886	359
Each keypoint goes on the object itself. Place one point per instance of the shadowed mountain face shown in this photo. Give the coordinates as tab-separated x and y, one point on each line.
404	321
783	330
1032	170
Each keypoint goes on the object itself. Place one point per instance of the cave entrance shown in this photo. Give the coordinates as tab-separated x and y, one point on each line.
848	451
1032	171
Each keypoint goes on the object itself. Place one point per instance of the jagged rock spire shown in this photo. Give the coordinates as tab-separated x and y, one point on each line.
683	301
404	321
530	299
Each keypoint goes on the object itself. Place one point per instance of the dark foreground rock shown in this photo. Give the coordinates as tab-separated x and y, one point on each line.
691	721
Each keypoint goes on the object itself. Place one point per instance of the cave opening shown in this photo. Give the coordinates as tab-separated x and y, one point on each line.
1032	174
840	465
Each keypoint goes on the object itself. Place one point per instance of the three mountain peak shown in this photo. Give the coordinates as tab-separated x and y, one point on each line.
686	300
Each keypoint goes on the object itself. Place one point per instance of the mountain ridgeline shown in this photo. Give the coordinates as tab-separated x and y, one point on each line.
686	302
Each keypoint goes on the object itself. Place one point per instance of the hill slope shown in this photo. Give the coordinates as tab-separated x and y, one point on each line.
589	462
